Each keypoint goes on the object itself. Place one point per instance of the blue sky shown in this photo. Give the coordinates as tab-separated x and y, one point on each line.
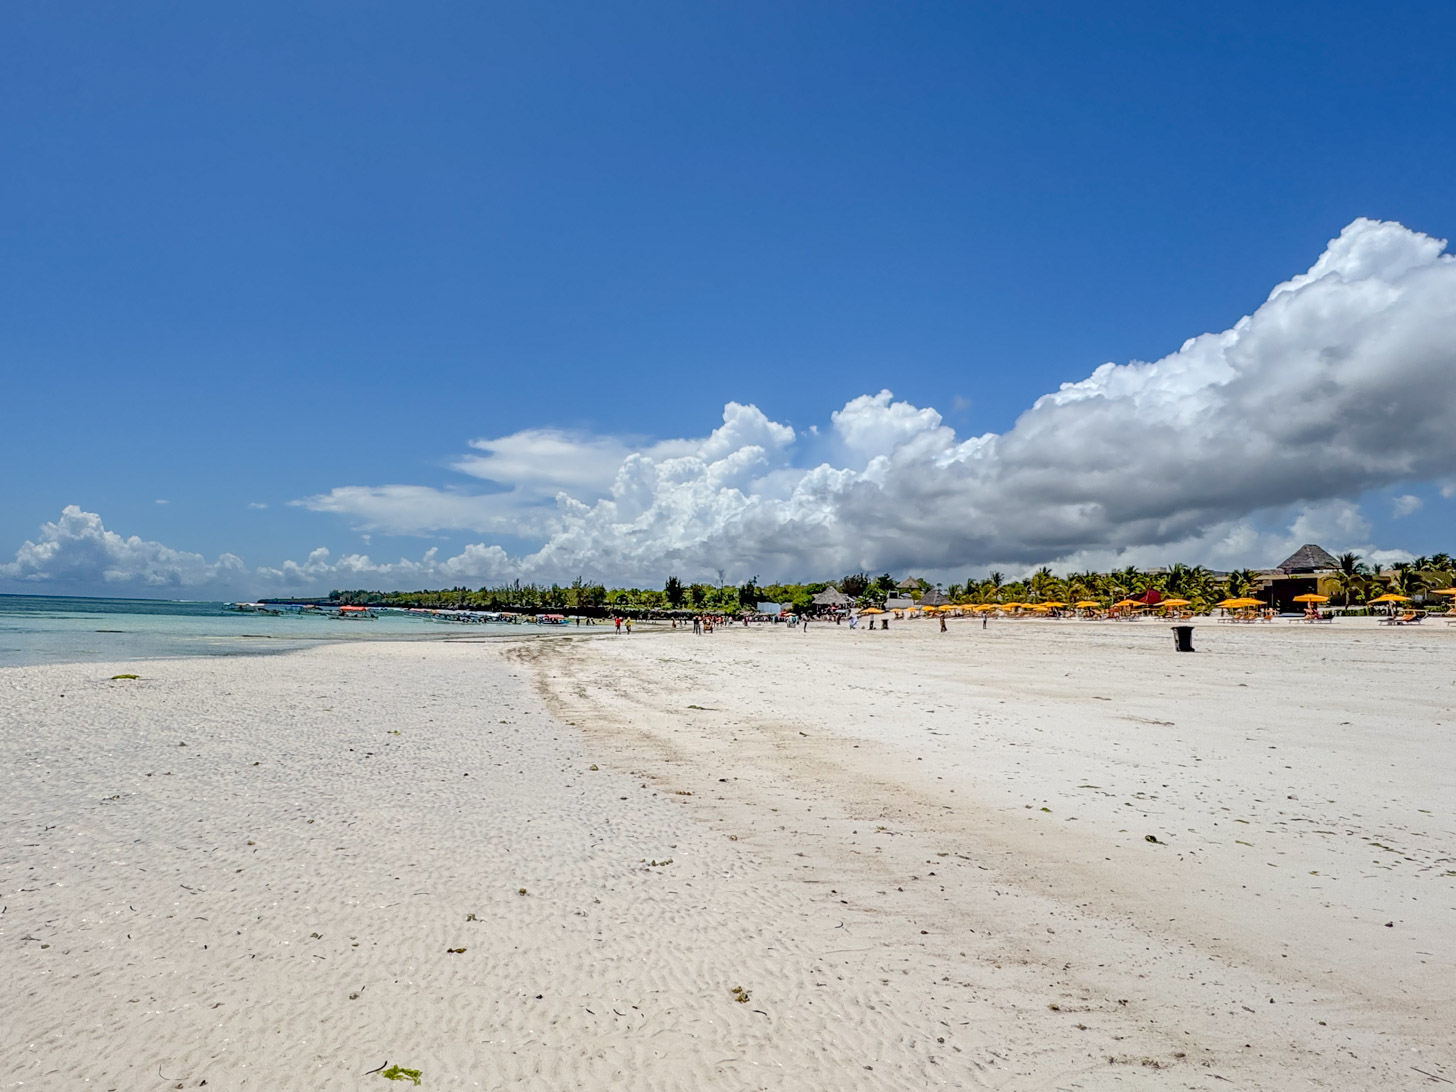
292	255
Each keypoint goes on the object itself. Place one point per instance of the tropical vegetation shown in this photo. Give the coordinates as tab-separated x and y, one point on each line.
1355	582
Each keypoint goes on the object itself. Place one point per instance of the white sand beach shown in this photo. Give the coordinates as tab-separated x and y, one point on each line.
923	859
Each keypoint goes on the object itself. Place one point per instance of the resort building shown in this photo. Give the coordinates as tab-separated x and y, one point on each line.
1310	570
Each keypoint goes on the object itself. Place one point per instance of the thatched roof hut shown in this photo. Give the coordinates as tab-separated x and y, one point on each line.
934	599
1309	558
832	597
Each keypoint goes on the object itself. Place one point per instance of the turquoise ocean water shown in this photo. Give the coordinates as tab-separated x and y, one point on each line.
38	629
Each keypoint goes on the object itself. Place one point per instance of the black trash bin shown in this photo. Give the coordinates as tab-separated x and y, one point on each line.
1183	638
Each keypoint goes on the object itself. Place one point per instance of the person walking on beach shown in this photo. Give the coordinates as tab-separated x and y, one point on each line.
618	621
985	618
942	623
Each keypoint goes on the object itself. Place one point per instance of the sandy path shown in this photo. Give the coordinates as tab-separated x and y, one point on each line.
1292	927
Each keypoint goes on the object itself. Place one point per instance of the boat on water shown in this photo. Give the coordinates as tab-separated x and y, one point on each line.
304	610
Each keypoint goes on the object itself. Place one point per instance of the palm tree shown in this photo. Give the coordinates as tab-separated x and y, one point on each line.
1436	570
1352	584
1080	586
1043	584
1407	580
1176	578
1199	585
1240	583
995	580
1123	582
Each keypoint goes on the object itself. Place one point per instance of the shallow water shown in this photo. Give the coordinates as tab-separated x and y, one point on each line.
63	629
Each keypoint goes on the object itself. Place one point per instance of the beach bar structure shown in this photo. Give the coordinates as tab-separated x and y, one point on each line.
1310	570
831	598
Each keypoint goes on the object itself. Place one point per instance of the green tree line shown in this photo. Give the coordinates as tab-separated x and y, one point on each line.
1355	582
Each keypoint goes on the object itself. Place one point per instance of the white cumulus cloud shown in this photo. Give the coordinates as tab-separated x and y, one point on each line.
1341	382
1232	450
78	551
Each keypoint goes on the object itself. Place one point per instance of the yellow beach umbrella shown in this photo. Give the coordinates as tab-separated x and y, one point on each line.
1228	604
1444	591
872	610
1175	603
1127	603
1310	597
1391	597
1083	604
1053	604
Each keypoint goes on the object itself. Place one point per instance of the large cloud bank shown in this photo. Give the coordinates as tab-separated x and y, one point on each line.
1343	381
77	550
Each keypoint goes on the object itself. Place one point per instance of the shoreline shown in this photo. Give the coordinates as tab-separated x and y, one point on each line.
907	917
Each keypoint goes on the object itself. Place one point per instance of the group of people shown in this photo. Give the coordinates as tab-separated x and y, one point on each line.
704	623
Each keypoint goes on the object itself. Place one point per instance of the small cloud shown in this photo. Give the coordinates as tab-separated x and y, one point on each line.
960	403
256	504
1385	559
1405	504
160	500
